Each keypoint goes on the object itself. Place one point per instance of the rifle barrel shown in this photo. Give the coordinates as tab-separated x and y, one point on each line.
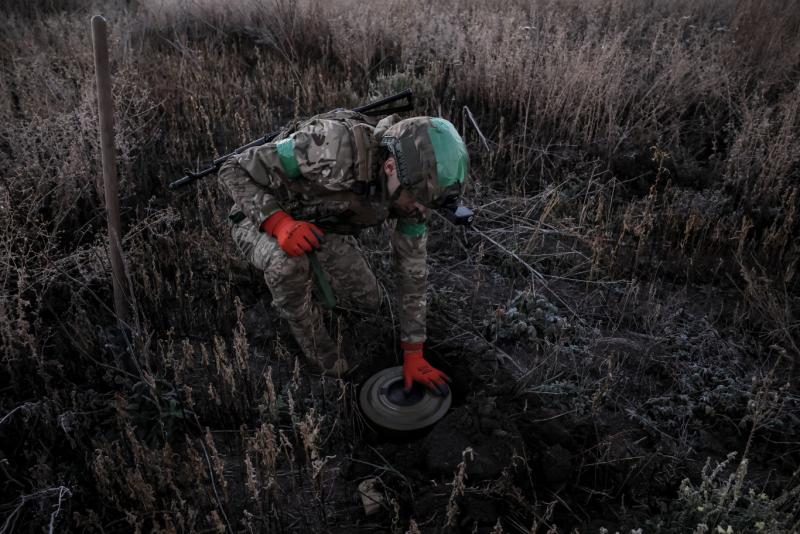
388	100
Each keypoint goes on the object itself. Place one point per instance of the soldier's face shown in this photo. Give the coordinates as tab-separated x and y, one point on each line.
405	204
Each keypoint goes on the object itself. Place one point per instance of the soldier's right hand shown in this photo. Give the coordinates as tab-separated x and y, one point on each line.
294	237
417	369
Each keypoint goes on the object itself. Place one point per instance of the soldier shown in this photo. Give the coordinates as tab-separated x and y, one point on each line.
315	188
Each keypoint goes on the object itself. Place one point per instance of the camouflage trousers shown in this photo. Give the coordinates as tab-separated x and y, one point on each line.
290	281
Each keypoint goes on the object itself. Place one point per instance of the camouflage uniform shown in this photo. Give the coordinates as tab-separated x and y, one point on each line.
325	170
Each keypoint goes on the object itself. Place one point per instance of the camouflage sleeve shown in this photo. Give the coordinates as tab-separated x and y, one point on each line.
254	199
409	242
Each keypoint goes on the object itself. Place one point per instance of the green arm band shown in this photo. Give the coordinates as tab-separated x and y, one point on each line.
411	229
285	150
325	289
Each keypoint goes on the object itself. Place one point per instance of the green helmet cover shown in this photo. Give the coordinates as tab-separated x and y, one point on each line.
450	152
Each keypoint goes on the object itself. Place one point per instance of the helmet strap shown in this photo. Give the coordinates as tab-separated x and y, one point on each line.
397	192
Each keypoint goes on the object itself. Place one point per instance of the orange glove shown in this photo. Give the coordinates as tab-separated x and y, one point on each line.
416	369
295	237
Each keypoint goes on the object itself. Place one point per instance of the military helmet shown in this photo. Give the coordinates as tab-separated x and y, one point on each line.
431	158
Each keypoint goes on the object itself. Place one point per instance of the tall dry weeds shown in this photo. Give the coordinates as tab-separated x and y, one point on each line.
570	94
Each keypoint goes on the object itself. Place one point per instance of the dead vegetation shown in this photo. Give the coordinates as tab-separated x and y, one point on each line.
621	321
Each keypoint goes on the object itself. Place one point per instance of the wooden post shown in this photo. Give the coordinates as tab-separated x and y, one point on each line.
106	113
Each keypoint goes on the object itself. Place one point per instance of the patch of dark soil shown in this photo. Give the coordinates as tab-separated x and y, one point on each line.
493	439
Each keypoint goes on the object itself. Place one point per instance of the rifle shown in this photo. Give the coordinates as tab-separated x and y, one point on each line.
373	109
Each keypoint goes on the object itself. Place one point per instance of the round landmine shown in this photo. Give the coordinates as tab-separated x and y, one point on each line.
385	404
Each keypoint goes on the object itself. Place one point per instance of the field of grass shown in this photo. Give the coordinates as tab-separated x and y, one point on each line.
622	323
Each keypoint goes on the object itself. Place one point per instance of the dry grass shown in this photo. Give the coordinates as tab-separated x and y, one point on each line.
633	146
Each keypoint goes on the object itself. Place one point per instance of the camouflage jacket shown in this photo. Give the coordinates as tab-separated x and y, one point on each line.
326	170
